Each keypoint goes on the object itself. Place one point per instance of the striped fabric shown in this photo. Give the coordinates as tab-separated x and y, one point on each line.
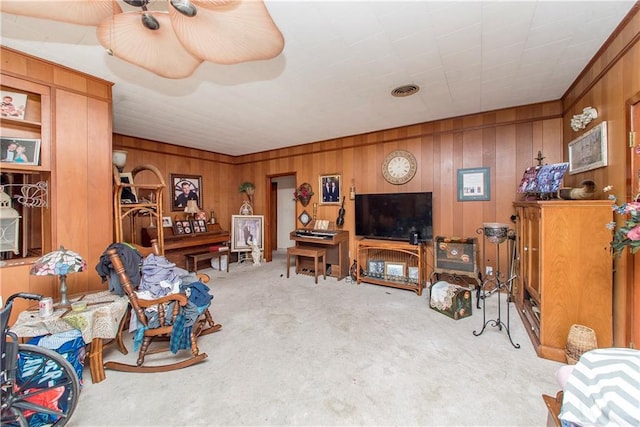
603	389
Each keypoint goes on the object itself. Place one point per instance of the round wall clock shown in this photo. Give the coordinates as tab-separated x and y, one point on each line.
304	218
399	167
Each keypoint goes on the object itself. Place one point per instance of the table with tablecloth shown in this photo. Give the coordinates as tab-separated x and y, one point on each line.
100	321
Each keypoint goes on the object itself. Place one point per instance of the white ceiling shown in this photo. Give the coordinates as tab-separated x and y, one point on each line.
340	62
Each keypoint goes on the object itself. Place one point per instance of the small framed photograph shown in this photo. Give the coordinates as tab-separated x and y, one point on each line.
166	221
129	194
245	230
375	268
394	269
589	151
473	184
185	188
331	189
182	227
20	150
14	105
199	226
412	273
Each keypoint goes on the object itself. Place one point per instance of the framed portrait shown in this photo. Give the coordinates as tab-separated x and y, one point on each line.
129	194
199	226
182	227
589	151
246	229
375	268
185	188
14	105
166	221
331	189
412	273
20	151
473	184
394	269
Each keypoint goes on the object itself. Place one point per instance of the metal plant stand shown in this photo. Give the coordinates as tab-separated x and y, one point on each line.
498	234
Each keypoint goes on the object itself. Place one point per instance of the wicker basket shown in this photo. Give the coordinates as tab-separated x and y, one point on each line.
580	340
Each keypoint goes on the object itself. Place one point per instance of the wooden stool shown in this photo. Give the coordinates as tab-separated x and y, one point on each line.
194	258
310	252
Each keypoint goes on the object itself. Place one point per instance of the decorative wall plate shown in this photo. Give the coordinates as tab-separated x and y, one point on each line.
399	167
304	218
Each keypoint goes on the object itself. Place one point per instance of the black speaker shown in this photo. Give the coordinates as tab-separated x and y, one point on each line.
414	237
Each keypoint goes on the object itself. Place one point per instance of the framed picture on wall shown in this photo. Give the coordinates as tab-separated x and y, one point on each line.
589	151
473	184
185	188
331	189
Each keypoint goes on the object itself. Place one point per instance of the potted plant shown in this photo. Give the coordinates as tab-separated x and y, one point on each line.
248	188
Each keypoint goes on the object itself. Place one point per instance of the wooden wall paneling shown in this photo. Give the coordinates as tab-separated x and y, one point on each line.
413	144
551	140
426	162
70	200
458	162
469	153
99	168
445	203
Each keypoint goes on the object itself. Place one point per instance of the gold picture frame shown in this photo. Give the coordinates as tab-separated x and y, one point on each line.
330	189
393	269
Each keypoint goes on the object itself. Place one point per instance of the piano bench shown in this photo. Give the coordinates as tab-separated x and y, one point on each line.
310	252
192	259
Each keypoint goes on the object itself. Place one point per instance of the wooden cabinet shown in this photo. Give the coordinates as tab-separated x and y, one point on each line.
26	178
565	271
391	263
70	113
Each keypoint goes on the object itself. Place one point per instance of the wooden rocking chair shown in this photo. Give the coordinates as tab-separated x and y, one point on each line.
202	326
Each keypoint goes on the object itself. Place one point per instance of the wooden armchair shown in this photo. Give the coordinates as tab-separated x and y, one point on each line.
202	326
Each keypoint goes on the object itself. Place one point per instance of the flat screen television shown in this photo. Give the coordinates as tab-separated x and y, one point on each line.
394	216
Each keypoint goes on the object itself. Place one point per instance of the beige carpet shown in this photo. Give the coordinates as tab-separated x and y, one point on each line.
294	353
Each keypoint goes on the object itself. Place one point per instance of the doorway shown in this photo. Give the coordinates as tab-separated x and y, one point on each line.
282	212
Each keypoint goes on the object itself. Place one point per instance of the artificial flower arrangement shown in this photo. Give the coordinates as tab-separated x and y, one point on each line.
628	235
302	193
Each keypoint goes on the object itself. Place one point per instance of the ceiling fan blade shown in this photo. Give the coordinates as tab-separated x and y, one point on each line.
83	12
215	4
231	33
158	51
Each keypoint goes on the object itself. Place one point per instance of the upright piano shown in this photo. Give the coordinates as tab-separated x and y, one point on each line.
336	243
176	246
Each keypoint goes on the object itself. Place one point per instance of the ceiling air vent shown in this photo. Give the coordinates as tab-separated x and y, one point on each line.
405	90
